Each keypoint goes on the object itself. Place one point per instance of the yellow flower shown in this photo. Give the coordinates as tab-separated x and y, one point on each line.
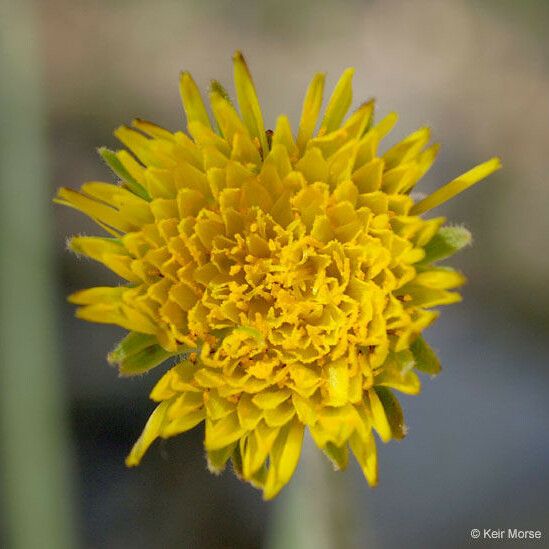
290	275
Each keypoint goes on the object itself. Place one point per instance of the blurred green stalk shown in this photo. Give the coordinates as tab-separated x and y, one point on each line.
35	454
319	508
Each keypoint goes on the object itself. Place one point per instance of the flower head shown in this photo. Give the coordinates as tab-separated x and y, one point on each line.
290	274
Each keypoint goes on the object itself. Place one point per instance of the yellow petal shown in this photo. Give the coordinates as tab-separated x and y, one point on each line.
276	417
367	149
311	108
385	125
335	424
216	406
96	247
113	161
440	278
267	400
99	212
132	166
284	458
305	408
339	102
341	163
99	294
426	159
379	418
226	116
206	138
264	438
429	297
283	136
244	150
175	381
218	458
400	179
139	145
405	382
282	210
150	433
122	315
338	455
369	176
154	130
184	404
223	432
183	423
249	451
313	166
247	100
358	122
338	382
407	149
365	452
195	109
393	412
456	186
249	415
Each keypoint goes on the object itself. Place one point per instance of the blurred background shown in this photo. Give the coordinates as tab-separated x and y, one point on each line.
477	454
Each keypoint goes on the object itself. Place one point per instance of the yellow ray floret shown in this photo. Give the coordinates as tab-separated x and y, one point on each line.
289	276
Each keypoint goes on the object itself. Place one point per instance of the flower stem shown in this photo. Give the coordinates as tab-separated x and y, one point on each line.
319	508
34	456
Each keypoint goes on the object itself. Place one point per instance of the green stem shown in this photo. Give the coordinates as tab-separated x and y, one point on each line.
319	509
35	457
